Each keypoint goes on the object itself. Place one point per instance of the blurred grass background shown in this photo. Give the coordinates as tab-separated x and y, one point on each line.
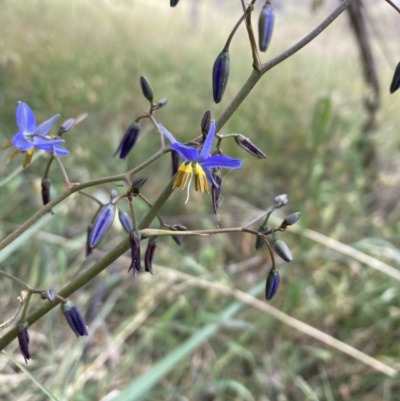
82	56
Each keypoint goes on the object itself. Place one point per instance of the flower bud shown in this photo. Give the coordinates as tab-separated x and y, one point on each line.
216	190
88	248
113	194
291	219
396	80
23	340
205	123
173	3
174	162
282	250
149	255
162	103
249	146
128	141
265	26
272	284
178	238
281	200
220	75
134	239
137	184
259	241
101	224
74	318
125	221
46	185
66	126
146	88
49	295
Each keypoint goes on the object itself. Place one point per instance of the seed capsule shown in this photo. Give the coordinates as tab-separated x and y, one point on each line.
220	75
249	146
46	185
272	284
128	141
396	80
101	224
134	239
146	88
265	26
282	250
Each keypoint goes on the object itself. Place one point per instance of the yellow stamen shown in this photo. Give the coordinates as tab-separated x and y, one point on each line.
28	157
7	145
13	155
182	176
200	179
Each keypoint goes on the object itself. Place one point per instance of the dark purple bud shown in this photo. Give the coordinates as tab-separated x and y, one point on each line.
282	250
216	190
249	146
173	3
272	284
88	248
162	103
205	123
396	80
137	184
178	238
101	224
23	340
259	241
66	126
74	319
146	88
128	141
46	185
49	295
265	26
125	221
220	75
134	239
291	219
174	162
149	255
281	200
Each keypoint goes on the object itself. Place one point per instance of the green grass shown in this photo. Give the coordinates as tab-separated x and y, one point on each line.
81	56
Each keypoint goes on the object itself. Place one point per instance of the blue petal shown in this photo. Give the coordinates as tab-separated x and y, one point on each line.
45	127
26	120
186	152
221	161
58	151
21	143
40	141
206	149
210	177
167	134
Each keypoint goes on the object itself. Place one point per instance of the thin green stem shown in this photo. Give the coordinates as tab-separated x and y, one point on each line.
146	201
134	223
26	307
63	171
249	9
15	279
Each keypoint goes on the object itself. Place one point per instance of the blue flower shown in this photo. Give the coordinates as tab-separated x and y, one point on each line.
31	137
199	162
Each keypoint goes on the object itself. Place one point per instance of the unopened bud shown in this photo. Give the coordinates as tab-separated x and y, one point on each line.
66	126
88	248
272	284
291	219
102	223
173	3
281	200
125	221
178	238
46	185
128	141
113	194
396	80
146	88
220	75
162	103
74	318
265	26
49	295
282	250
205	123
249	146
259	240
174	162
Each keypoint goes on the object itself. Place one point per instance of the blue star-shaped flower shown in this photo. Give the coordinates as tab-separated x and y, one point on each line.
199	163
31	137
